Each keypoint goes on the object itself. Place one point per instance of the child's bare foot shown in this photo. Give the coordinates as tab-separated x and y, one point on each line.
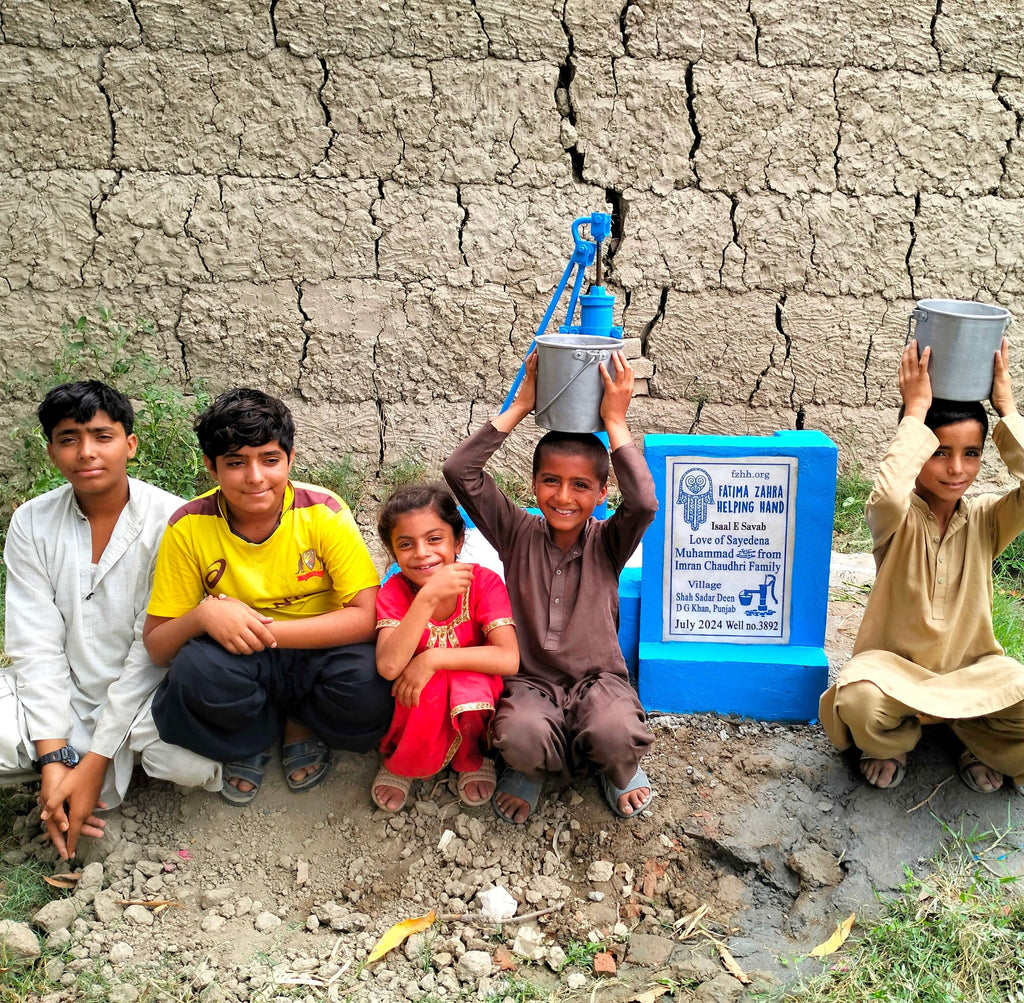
389	790
475	787
635	800
883	773
627	801
293	733
977	775
516	795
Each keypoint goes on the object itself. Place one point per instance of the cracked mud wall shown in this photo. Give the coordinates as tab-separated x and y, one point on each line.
365	207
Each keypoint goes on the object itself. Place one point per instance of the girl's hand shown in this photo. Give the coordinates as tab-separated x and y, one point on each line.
915	383
1002	390
409	685
447	583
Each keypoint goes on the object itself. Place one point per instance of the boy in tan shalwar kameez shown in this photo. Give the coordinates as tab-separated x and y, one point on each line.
925	651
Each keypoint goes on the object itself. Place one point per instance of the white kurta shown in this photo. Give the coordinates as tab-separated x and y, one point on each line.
74	630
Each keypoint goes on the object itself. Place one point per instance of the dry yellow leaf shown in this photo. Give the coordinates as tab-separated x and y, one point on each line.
397	934
63	880
731	965
651	995
836	940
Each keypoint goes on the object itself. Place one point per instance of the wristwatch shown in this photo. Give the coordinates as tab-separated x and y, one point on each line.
66	754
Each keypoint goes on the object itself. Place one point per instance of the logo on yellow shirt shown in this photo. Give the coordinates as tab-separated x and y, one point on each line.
311	565
215	572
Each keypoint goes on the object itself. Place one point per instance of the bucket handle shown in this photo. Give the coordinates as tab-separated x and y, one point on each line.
919	314
591	355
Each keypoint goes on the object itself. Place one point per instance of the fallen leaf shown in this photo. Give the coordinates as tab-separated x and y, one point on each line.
650	996
63	880
686	925
503	959
836	940
398	933
731	966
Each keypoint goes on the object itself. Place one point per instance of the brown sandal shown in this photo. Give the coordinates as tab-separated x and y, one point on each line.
968	760
486	774
385	778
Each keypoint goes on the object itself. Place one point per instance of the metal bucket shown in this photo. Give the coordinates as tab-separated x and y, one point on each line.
963	336
569	387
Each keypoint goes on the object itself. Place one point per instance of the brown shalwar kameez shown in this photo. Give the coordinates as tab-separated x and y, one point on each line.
925	646
571	701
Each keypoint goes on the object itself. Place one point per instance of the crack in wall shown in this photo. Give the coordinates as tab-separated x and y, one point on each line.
378	398
931	30
701	401
326	110
377	227
620	209
691	111
659	316
110	106
733	206
623	28
307	329
483	27
272	12
913	241
95	207
780	308
3	33
1008	105
839	127
462	223
138	23
566	72
180	340
757	31
198	243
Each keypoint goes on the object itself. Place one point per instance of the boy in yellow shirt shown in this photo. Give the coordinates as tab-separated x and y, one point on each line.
263	605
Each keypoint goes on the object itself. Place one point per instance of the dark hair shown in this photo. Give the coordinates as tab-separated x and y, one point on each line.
574	444
80	401
244	417
434	496
946	412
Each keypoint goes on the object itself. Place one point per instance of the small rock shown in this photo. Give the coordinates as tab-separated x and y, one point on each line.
650	950
150	867
123	993
555	958
600	871
212	922
442	959
576	980
529	943
214	897
58	940
596	896
302	872
18	940
604	963
120	952
139	915
815	867
106	907
265	922
473	965
721	989
312	923
56	915
92	878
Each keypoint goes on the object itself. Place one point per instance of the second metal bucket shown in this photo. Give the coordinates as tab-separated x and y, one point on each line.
963	336
569	387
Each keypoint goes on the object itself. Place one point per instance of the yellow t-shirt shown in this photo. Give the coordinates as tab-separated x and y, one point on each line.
314	562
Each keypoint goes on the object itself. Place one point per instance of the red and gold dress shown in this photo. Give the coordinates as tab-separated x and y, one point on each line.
449	724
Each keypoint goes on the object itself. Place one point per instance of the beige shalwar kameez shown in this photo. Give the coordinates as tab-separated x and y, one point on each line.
926	647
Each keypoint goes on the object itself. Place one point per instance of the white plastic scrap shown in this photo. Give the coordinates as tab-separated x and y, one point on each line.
497	904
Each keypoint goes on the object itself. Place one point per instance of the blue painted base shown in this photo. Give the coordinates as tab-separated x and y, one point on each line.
771	682
629	619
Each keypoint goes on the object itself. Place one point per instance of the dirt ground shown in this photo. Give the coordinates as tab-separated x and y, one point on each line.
759	831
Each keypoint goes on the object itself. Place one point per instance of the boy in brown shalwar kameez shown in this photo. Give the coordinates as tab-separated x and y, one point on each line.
571	702
925	651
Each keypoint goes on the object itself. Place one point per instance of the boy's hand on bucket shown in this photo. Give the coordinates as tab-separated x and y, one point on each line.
1002	389
915	383
618	390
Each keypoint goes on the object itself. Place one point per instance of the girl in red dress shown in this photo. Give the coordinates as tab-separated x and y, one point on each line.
446	636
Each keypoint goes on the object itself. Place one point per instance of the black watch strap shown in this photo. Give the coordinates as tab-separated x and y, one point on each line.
66	754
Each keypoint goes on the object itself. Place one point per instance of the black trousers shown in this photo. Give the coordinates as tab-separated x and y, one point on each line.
227	707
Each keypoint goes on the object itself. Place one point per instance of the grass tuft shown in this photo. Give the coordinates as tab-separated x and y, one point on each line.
849	530
953	936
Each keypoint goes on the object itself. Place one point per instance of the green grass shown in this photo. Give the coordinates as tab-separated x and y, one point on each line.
955	935
849	530
517	989
580	954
